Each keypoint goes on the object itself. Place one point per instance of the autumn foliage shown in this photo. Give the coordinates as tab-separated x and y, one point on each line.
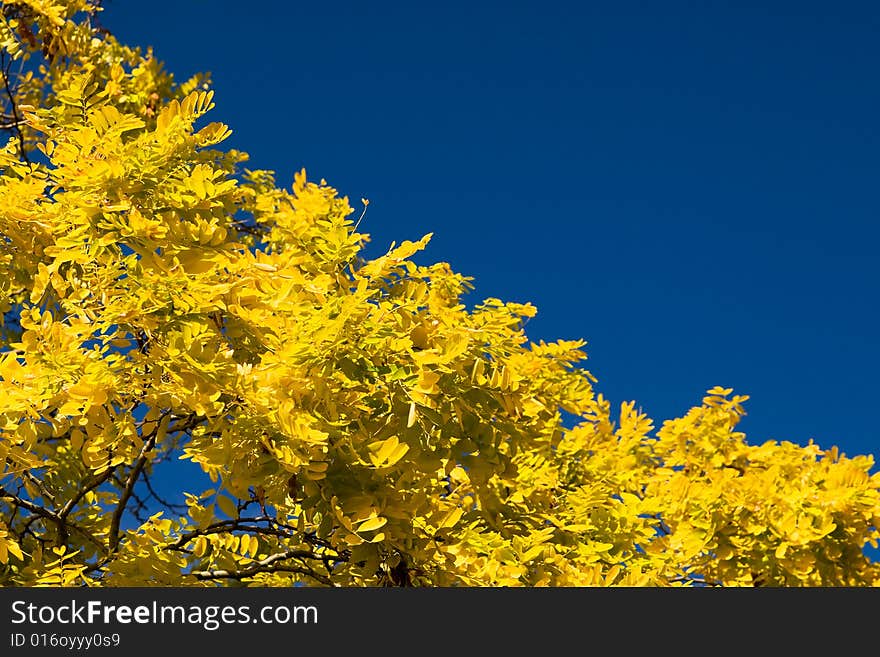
360	425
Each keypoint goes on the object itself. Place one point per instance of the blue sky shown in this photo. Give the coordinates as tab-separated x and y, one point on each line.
691	187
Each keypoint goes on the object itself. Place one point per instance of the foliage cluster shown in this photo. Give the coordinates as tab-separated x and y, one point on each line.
359	424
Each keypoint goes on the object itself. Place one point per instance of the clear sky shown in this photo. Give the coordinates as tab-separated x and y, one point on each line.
691	187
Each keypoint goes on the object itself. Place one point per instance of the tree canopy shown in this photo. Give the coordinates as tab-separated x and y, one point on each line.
359	424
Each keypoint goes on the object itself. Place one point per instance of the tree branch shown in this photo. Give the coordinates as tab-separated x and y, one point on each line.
267	565
60	521
128	490
30	506
17	121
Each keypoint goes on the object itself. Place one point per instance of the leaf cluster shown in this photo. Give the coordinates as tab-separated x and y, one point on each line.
358	424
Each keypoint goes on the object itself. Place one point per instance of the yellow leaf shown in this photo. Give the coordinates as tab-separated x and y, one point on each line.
612	574
227	506
14	549
533	553
397	454
451	518
88	390
372	523
200	546
250	545
387	452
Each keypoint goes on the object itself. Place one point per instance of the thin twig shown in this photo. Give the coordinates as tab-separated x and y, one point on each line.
358	223
17	120
155	496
